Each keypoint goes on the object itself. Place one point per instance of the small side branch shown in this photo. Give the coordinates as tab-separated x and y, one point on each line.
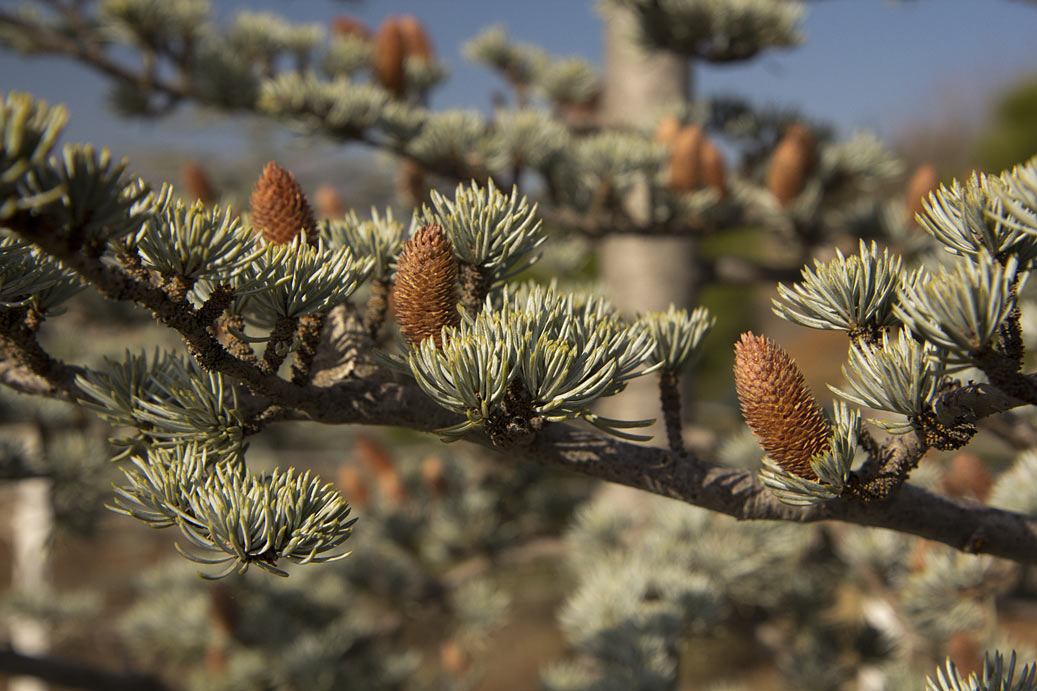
307	335
670	396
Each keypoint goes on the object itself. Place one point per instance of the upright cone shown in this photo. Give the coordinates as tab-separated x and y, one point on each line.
345	25
686	159
923	181
279	208
777	405
416	41
425	290
714	172
390	53
196	182
792	163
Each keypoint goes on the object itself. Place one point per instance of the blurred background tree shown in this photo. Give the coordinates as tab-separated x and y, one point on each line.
480	572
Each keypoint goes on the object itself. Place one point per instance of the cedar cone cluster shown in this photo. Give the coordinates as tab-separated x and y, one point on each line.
279	208
923	181
425	290
778	406
794	159
398	38
196	182
695	161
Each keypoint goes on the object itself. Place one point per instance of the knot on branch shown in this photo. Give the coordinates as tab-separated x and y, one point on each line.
516	422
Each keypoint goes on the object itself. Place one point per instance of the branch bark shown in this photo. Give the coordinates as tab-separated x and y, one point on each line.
74	674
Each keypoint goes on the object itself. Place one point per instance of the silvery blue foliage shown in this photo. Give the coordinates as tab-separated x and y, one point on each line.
379	238
28	130
677	335
996	676
567	352
846	293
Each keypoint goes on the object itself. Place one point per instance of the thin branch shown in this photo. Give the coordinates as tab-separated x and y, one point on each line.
74	674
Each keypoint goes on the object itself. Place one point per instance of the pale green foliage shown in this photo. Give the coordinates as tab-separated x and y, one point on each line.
346	55
1016	488
240	517
677	335
519	62
935	599
98	205
309	279
149	22
168	401
846	293
194	241
525	137
567	353
973	219
491	230
570	80
863	159
421	74
603	167
28	276
1018	193
832	467
380	238
900	375
338	107
960	309
401	122
448	137
717	30
28	131
265	36
997	676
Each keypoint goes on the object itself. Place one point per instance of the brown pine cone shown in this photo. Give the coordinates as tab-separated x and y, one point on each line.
279	208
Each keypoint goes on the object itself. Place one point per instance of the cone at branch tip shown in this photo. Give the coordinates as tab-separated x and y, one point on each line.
714	172
279	208
777	405
923	181
667	129
425	290
792	163
416	41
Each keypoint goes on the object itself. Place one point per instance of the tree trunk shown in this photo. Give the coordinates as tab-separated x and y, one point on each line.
642	274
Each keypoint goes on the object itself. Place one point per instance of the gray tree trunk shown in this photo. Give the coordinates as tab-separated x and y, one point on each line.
642	274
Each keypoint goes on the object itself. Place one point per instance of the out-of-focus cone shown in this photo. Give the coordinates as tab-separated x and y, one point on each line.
686	159
410	182
353	486
967	477
714	172
433	476
416	41
279	208
965	652
375	456
345	25
425	289
224	615
196	183
329	202
390	54
923	181
667	129
793	160
453	659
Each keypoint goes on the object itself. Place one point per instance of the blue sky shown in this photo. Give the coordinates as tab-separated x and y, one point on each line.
872	64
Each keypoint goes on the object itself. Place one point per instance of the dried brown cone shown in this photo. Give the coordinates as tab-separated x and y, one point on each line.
353	486
967	477
196	183
345	25
390	53
777	405
923	181
686	160
425	290
416	41
793	160
433	476
279	208
714	171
